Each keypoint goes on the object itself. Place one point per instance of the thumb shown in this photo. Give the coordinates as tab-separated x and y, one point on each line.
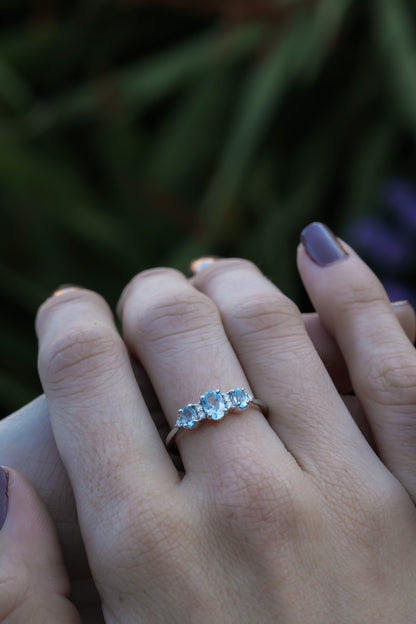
34	584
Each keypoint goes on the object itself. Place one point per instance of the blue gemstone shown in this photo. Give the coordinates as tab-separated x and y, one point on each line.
187	417
213	405
239	398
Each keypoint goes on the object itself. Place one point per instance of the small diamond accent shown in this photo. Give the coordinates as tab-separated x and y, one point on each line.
227	401
212	405
200	414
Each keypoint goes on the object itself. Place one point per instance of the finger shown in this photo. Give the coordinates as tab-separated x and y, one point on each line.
27	445
177	334
381	360
269	338
323	341
330	353
355	409
103	430
34	585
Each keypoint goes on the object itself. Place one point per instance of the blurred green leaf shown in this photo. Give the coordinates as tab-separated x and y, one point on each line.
13	89
141	84
395	38
193	131
60	194
327	24
13	393
369	164
258	99
132	135
21	289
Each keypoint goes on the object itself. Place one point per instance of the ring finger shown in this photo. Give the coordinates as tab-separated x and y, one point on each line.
269	336
181	336
177	335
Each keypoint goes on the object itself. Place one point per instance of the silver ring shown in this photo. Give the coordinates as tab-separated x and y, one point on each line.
213	405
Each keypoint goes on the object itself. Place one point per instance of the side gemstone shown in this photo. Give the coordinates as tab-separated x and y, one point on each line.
187	417
239	398
213	405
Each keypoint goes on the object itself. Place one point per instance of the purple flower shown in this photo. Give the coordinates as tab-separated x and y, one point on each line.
382	245
388	240
399	197
397	291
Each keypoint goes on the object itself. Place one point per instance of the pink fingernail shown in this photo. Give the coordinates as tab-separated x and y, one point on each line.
199	264
63	288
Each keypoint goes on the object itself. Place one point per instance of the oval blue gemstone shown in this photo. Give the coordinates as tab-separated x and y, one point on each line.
213	405
187	417
239	398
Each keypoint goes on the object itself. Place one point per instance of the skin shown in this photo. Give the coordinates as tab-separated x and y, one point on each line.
273	520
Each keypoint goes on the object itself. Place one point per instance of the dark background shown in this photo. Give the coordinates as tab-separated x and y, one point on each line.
138	134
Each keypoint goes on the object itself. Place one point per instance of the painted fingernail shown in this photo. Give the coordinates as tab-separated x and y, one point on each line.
321	245
199	264
4	482
63	288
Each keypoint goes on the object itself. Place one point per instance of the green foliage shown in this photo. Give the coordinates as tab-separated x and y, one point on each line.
132	136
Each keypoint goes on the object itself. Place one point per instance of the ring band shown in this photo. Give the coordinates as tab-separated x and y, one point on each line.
213	405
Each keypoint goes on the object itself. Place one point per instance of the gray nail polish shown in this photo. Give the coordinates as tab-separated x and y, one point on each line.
321	244
4	482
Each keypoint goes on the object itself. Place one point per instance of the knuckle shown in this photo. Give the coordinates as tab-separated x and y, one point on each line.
266	316
81	353
148	528
146	276
361	293
143	281
184	311
67	297
228	267
15	583
369	516
391	381
254	500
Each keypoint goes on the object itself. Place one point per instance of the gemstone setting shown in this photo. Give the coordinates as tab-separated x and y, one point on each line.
239	398
213	404
188	417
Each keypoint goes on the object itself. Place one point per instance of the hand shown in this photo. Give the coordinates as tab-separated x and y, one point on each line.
27	443
224	421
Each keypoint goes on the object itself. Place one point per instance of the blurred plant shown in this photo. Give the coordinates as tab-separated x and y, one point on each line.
133	135
387	240
240	9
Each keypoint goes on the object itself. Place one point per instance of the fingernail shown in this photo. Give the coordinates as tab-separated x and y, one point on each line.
401	304
199	264
321	244
4	481
63	288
